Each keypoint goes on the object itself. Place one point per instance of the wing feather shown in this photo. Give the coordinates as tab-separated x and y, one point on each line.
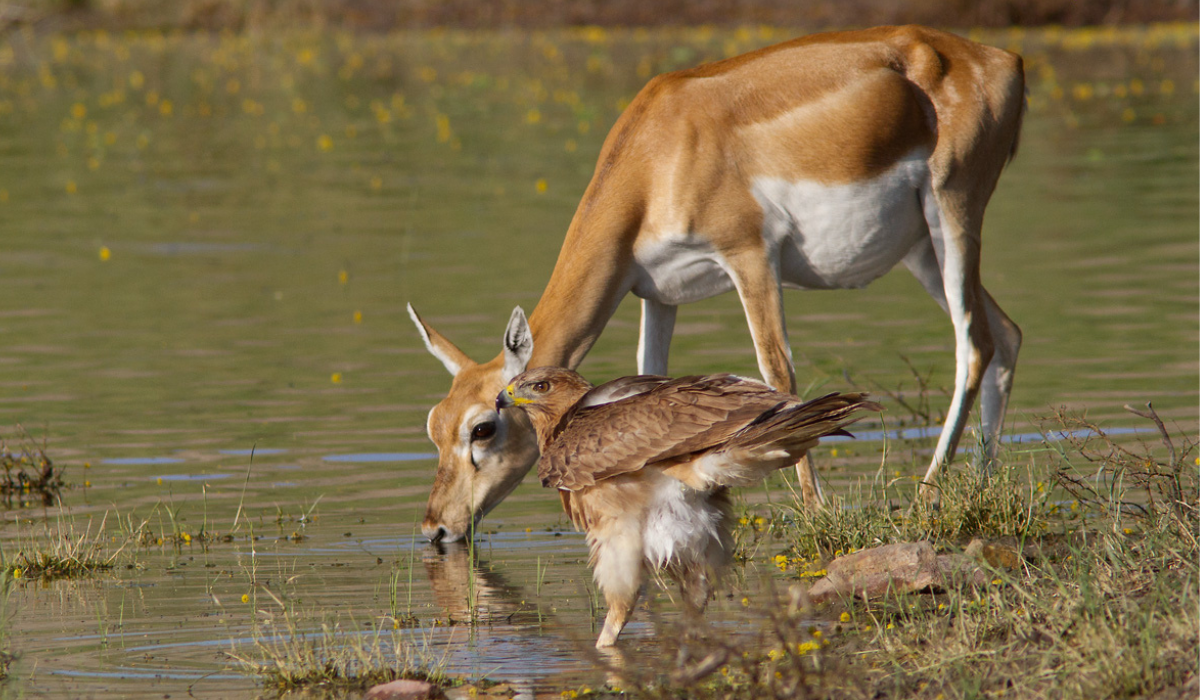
672	418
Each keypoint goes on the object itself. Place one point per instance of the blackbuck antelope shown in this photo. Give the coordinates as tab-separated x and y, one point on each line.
819	163
644	464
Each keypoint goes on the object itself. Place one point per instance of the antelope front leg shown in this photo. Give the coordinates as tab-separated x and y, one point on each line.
762	298
654	339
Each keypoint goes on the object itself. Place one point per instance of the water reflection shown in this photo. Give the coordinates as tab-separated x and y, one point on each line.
477	593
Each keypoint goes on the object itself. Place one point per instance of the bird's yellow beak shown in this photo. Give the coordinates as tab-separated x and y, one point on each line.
508	398
517	400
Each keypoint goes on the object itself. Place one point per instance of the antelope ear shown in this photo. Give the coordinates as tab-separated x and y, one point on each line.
454	359
518	345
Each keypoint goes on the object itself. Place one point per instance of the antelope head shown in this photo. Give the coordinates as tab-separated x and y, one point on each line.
482	453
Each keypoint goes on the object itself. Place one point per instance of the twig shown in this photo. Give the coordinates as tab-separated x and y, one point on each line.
1162	429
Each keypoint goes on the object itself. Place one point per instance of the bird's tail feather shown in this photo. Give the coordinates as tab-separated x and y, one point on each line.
774	440
796	424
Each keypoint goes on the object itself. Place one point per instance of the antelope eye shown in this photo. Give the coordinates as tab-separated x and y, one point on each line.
541	387
483	431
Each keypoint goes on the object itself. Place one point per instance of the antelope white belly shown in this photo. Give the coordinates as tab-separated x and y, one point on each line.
844	236
820	236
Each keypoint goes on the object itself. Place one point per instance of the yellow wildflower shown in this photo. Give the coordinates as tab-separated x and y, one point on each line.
806	647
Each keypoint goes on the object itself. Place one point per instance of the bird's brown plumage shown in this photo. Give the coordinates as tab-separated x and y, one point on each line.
643	465
661	421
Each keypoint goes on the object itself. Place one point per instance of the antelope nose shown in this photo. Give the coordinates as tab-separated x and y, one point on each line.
434	533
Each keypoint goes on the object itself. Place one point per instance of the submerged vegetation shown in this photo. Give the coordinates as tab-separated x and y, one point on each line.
61	550
294	649
29	475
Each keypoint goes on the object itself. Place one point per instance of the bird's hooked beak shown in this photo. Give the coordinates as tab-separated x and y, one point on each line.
507	398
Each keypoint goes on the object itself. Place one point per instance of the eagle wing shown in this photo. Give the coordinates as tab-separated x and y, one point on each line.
669	419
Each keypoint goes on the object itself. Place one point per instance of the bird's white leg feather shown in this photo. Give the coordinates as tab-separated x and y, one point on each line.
617	562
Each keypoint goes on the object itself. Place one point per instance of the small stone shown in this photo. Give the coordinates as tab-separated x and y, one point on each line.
871	573
958	570
1001	556
997	555
402	690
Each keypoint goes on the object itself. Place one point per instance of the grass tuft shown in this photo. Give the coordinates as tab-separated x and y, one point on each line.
61	550
302	650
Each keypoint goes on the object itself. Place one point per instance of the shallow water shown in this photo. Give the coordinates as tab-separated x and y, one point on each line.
208	246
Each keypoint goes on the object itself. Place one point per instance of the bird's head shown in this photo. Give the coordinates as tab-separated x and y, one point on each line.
545	393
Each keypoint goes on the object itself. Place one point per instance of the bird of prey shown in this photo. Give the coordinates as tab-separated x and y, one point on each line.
643	465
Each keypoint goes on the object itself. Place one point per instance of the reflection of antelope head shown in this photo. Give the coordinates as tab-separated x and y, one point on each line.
466	592
482	453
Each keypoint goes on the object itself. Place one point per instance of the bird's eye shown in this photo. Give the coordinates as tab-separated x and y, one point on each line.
541	387
483	431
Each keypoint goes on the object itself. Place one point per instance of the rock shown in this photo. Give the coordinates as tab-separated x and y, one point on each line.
1001	556
403	690
910	566
996	554
958	570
